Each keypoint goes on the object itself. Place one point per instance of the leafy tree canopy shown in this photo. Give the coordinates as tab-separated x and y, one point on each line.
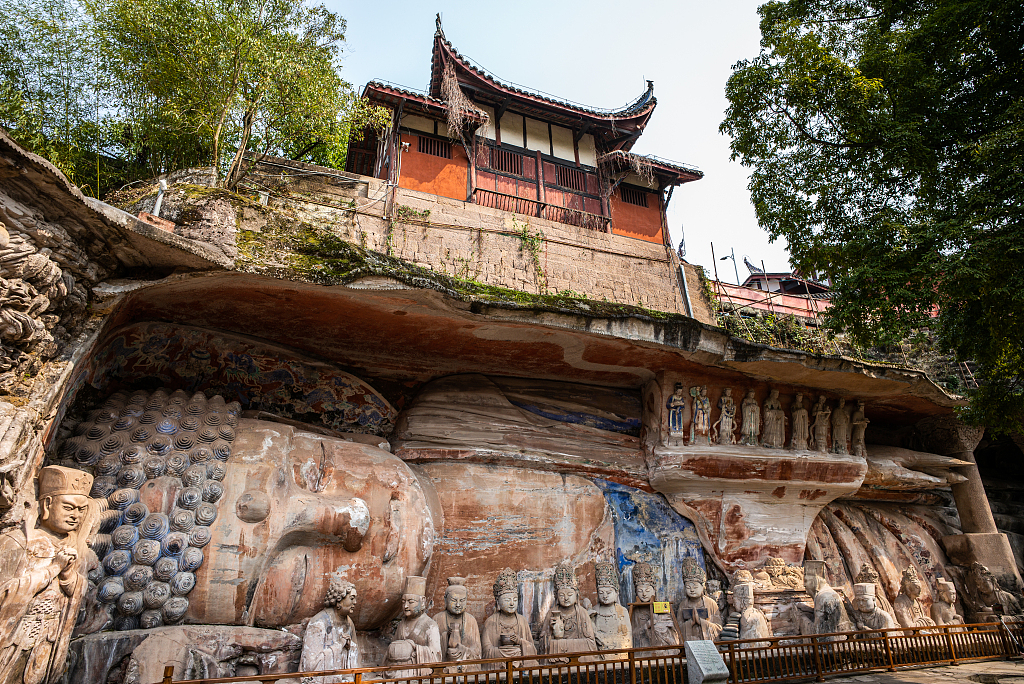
141	87
886	140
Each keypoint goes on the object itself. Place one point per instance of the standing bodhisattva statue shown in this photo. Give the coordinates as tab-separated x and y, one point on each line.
751	420
801	426
700	426
725	426
820	427
840	428
774	435
41	584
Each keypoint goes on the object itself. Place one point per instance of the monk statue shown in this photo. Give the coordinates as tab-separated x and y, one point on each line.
506	632
774	436
909	611
869	575
725	426
798	441
829	612
751	420
869	615
840	429
858	427
698	615
752	622
460	635
944	608
329	642
650	628
820	427
700	426
416	639
612	629
676	411
41	578
567	628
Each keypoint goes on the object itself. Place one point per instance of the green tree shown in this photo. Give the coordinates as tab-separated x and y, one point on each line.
53	88
217	80
886	141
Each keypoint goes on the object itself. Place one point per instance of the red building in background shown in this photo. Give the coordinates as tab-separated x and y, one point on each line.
520	151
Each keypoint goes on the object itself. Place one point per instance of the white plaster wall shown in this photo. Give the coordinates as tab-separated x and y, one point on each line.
512	129
488	130
634	179
418	123
588	153
537	136
561	140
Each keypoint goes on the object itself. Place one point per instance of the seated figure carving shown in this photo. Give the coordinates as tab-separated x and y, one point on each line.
909	610
460	635
506	632
869	615
698	615
567	628
944	607
650	628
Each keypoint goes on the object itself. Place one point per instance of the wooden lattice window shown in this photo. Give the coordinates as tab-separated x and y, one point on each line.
633	196
435	147
507	161
570	178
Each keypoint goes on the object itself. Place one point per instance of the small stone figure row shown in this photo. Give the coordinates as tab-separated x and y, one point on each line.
765	425
453	635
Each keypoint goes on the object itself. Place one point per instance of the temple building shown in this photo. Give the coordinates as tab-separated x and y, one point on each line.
436	406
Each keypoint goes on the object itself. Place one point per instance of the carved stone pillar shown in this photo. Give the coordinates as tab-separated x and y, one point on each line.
981	541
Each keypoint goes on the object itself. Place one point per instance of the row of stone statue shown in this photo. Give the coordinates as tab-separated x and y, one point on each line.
569	627
821	429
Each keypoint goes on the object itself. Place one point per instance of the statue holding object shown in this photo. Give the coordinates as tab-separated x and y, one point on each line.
725	427
700	426
751	420
650	628
820	428
567	628
676	412
416	639
801	425
698	615
460	635
774	435
909	611
506	632
41	583
612	629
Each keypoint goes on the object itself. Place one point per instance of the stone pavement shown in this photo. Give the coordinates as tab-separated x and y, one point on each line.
986	672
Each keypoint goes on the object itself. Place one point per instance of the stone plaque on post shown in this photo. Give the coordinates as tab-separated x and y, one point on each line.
704	664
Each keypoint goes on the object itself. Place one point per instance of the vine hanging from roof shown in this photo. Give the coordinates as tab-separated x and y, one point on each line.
641	166
460	107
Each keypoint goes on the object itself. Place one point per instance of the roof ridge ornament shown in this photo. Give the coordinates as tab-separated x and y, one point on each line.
437	22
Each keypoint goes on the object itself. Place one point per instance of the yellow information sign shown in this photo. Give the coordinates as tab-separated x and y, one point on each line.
661	607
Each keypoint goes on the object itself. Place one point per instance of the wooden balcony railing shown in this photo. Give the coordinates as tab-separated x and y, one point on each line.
753	661
551	212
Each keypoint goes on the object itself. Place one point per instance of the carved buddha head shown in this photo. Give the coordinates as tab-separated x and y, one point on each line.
63	498
506	591
864	597
341	594
414	600
644	582
566	585
694	578
455	596
911	583
607	584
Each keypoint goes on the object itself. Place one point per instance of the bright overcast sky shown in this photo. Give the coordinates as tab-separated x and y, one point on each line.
598	53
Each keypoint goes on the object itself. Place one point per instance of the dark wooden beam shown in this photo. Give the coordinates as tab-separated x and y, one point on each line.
578	135
501	109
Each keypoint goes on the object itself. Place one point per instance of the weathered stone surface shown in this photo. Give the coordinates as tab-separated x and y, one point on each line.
550	426
139	656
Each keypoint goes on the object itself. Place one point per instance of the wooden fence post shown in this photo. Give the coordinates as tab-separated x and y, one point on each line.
888	651
168	674
632	666
817	659
732	662
952	649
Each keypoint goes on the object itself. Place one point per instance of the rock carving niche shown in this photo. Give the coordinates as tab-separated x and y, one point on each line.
195	492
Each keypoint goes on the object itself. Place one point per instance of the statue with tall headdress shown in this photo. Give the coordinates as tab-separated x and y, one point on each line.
611	621
329	641
909	611
506	632
698	615
868	575
416	639
650	628
567	628
41	582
